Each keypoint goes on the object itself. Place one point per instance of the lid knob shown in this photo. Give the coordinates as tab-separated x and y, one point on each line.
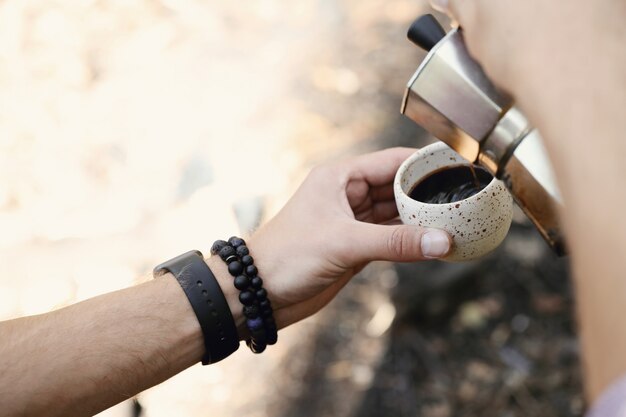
425	32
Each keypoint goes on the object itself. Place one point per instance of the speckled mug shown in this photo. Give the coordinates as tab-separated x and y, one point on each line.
477	224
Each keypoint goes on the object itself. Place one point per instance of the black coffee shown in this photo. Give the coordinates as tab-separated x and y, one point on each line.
451	184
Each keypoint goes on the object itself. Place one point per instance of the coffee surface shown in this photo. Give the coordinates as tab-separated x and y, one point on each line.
451	184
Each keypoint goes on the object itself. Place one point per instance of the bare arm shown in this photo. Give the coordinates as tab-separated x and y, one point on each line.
565	62
84	358
87	357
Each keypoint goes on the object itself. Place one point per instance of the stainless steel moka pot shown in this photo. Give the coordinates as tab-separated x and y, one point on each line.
451	97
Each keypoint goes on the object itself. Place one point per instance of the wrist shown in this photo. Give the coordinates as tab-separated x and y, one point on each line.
257	310
278	274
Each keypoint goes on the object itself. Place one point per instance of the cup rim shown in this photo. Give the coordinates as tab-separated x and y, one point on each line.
436	147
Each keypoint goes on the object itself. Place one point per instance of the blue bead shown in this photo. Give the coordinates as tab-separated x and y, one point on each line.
254	324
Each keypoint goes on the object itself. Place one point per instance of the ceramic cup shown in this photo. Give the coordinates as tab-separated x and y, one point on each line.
477	224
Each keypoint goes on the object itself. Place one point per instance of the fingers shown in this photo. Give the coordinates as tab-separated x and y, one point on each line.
382	193
385	211
380	212
378	168
402	243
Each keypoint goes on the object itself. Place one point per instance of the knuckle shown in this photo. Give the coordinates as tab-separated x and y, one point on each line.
329	175
398	242
317	176
322	171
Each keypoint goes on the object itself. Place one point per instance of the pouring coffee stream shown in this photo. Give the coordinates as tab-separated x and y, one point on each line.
451	97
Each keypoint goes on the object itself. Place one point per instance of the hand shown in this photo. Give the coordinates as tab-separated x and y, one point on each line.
331	228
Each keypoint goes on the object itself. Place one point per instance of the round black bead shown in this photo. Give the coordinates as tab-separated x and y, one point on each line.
217	246
247	260
242	251
257	347
266	313
261	294
226	252
251	270
251	311
271	330
258	334
257	283
242	282
264	303
246	298
235	268
235	241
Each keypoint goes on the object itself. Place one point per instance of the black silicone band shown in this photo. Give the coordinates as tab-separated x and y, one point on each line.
208	302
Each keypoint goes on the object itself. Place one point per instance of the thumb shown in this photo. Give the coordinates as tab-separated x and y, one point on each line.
398	243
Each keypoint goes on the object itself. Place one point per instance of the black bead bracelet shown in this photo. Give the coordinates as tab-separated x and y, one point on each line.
257	308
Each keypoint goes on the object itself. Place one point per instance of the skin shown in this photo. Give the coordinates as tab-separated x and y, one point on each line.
84	358
565	63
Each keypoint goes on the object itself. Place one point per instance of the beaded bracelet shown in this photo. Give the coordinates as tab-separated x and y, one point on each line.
257	307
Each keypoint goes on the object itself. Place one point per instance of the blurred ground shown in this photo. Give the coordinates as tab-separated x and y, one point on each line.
131	131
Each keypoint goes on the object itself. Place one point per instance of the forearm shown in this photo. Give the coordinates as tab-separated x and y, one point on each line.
87	357
82	359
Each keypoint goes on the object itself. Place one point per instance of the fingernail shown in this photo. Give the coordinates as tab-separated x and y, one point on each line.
441	5
435	244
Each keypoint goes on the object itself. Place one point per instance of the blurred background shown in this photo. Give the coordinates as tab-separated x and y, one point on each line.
134	130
